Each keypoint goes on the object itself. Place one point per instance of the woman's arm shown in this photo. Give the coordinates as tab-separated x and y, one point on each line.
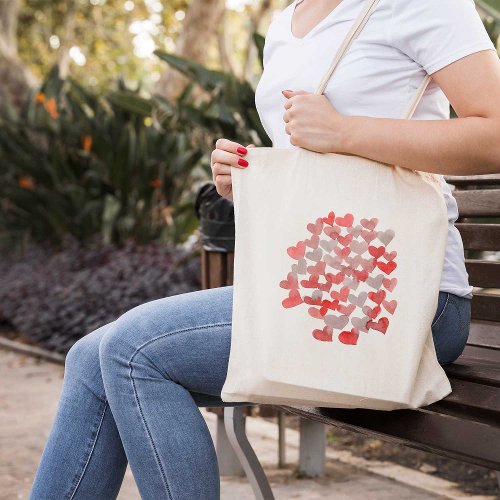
469	144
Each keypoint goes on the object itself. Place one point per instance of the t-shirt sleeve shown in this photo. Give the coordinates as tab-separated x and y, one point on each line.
436	33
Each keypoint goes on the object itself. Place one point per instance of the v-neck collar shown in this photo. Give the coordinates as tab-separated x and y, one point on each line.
329	16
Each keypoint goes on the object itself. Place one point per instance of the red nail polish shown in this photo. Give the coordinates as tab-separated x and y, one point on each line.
242	150
242	162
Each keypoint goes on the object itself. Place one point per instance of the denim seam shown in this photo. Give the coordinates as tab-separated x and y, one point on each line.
442	311
90	452
162	469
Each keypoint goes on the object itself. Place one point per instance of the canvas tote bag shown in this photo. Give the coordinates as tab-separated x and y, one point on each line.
337	267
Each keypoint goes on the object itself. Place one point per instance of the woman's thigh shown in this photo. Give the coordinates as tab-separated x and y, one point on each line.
185	337
450	327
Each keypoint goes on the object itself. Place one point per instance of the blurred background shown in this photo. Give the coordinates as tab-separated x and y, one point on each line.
109	110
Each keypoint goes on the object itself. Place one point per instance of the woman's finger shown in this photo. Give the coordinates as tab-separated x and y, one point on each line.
222	156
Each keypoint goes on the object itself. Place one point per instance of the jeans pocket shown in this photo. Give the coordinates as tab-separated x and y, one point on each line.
442	303
450	329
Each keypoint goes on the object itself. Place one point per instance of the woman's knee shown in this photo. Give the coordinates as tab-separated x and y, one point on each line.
82	364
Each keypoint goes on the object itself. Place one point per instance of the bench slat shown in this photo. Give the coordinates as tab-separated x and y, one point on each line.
478	203
448	436
486	306
476	370
483	273
480	236
485	333
470	400
473	180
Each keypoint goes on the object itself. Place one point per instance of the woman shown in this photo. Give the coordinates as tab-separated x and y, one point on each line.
132	388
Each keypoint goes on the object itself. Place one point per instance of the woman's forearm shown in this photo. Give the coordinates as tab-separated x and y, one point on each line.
460	146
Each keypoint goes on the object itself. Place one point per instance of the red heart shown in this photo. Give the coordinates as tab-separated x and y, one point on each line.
329	220
390	284
372	313
315	313
291	282
318	268
335	278
344	240
369	224
316	227
377	297
312	302
380	325
376	252
294	299
390	255
345	221
387	267
324	335
390	305
325	287
312	282
333	232
327	304
349	337
342	295
361	275
298	251
347	310
313	242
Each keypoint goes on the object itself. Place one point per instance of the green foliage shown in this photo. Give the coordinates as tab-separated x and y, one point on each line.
230	110
78	163
117	164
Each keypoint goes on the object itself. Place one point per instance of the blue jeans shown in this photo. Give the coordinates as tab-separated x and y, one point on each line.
132	389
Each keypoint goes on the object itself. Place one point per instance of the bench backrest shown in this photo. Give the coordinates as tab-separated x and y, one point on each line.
478	199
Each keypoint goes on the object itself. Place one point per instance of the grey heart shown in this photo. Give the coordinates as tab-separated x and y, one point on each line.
385	236
317	294
359	247
300	267
376	282
355	231
315	255
328	245
354	262
350	283
334	262
358	300
360	323
337	322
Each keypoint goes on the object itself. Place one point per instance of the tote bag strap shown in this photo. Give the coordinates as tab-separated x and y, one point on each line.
355	30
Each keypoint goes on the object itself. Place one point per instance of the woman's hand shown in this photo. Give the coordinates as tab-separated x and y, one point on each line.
225	155
313	123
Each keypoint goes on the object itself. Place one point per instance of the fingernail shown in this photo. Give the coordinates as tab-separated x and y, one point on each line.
242	162
242	150
286	91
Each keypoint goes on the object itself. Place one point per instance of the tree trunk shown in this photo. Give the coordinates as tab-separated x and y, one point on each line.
199	29
16	79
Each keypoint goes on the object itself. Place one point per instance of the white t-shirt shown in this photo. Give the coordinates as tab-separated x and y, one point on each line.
378	76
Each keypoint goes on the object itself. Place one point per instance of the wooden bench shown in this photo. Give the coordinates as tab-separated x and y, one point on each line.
466	424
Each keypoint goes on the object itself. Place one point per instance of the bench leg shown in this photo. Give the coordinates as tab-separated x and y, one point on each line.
229	465
312	448
234	420
281	440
